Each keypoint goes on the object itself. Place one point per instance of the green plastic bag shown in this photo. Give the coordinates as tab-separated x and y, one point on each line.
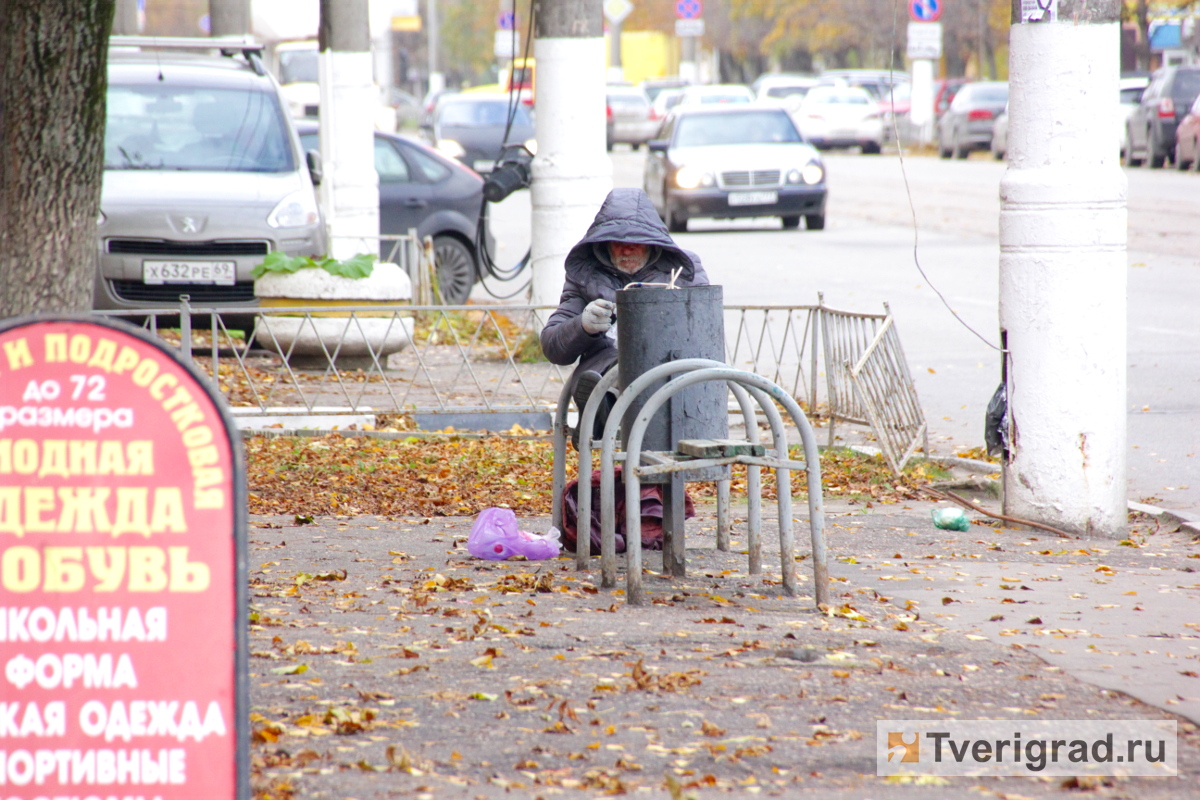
950	519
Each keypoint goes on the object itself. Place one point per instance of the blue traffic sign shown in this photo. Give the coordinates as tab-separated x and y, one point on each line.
925	10
689	9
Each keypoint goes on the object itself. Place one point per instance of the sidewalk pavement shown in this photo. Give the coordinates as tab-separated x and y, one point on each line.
386	661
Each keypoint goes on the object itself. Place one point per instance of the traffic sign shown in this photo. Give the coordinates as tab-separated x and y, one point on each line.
689	27
617	10
925	40
506	21
925	10
689	9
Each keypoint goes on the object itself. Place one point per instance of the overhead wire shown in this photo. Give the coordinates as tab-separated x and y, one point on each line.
514	100
908	189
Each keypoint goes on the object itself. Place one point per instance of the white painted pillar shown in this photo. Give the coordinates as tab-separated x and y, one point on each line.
350	189
571	173
920	113
1063	273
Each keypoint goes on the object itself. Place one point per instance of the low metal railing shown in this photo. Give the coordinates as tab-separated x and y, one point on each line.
486	359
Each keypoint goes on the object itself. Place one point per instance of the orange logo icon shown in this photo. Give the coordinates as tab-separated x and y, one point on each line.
902	750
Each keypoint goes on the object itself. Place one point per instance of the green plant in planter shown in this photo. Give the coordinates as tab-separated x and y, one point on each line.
359	266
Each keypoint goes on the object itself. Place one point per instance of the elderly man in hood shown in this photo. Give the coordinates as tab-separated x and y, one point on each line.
626	243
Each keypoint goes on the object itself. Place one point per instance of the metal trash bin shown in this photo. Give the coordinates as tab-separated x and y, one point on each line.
659	325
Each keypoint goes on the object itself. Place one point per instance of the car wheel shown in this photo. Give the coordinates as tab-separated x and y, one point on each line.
814	222
790	223
608	146
958	150
871	148
1181	164
1196	155
675	222
455	269
1154	159
634	146
1130	160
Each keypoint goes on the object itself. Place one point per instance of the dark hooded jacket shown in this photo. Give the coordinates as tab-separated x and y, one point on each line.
626	216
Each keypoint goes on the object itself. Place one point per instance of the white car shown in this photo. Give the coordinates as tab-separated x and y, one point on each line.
739	160
787	91
841	116
1131	97
716	94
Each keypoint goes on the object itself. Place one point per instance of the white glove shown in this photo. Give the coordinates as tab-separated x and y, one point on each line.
597	317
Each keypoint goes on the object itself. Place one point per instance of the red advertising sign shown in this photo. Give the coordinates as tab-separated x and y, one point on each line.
122	570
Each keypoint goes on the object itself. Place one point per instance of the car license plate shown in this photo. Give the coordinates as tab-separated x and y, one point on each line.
222	273
753	198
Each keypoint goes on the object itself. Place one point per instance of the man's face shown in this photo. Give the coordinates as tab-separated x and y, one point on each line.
628	258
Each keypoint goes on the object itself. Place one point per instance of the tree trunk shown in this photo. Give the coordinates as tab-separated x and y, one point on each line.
1143	42
52	104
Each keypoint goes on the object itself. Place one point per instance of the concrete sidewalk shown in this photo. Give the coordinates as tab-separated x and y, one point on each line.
388	662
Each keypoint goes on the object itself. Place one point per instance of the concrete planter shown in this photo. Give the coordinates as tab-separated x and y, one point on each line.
309	340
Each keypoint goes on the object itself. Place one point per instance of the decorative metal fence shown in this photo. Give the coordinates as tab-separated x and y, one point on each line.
869	382
479	360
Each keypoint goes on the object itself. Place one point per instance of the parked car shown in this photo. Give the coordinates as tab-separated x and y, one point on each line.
203	177
943	95
630	116
470	127
1187	139
662	105
1132	87
833	116
1000	135
783	89
1150	130
653	86
879	82
969	122
439	197
728	161
716	94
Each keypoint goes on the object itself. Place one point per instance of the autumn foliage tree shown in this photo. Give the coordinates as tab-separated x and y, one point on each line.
52	106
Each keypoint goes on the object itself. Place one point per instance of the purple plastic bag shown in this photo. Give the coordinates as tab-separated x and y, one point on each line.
495	537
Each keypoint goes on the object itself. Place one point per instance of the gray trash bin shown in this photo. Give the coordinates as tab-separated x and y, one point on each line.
659	325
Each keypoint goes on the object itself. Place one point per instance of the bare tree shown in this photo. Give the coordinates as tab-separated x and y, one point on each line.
52	105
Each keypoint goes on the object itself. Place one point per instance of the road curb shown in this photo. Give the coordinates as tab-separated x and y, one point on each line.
1187	522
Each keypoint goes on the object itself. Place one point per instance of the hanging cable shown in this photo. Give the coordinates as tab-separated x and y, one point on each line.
908	190
510	172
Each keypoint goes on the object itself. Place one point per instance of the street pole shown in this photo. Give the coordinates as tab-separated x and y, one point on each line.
350	189
229	17
616	71
437	80
571	173
1063	271
125	18
687	59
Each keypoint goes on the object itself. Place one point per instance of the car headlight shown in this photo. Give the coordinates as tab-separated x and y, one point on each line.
531	146
295	211
100	218
813	173
450	148
794	176
688	178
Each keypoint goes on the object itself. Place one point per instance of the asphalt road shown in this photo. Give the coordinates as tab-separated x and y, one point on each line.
868	255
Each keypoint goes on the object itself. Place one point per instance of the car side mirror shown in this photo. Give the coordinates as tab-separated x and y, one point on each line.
657	145
315	171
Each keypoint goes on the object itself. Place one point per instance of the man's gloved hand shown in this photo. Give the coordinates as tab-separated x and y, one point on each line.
597	317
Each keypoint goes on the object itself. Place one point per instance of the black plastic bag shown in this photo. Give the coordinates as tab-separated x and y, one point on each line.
995	429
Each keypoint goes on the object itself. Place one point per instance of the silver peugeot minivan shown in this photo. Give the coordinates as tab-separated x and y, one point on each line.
203	176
